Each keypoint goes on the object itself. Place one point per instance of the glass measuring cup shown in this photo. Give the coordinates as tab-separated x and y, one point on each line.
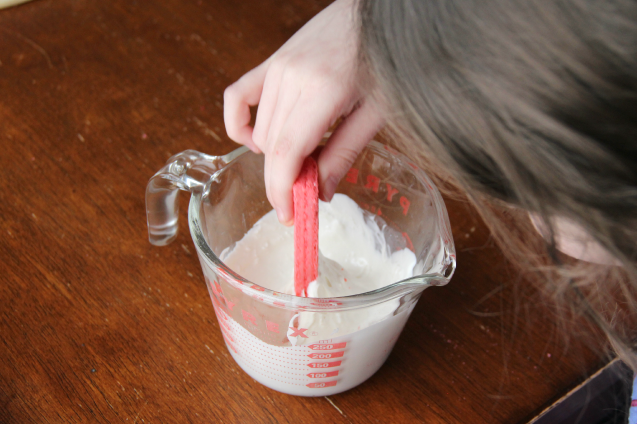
304	346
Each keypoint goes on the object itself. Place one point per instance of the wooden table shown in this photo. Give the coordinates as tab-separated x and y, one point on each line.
97	325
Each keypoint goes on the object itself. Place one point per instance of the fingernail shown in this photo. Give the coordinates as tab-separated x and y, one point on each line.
329	187
283	218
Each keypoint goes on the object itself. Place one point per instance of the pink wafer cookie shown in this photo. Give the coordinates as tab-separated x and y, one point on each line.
305	192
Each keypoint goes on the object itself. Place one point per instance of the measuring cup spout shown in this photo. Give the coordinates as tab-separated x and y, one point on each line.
188	171
436	270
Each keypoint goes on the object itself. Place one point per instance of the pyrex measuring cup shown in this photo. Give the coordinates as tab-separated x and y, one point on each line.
304	346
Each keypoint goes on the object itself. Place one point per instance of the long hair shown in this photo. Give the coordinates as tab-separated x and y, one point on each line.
531	104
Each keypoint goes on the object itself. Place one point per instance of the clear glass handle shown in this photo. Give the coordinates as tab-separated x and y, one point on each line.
188	171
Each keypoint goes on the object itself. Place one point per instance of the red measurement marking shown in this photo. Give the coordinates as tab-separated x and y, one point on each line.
326	355
328	346
272	326
296	332
373	182
404	203
227	336
230	304
258	288
323	374
352	176
321	385
279	304
220	312
324	364
249	317
390	192
224	326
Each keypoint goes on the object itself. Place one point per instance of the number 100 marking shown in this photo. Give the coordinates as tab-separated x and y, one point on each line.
323	374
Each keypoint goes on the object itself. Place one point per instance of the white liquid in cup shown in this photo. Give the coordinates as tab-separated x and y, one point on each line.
353	344
319	369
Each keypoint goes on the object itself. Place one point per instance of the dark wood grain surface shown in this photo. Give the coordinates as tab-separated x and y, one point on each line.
97	325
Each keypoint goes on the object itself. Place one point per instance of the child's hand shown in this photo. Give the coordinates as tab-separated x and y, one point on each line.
302	89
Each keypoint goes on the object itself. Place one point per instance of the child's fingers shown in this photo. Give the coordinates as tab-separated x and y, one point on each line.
300	135
345	144
287	100
237	99
269	103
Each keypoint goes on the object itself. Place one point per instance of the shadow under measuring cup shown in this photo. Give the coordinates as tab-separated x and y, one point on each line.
296	345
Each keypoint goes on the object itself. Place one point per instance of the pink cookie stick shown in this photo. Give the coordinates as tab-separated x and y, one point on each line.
305	191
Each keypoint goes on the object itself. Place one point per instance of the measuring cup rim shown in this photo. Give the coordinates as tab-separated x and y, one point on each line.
414	285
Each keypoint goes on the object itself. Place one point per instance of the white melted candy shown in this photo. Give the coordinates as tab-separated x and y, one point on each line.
354	258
